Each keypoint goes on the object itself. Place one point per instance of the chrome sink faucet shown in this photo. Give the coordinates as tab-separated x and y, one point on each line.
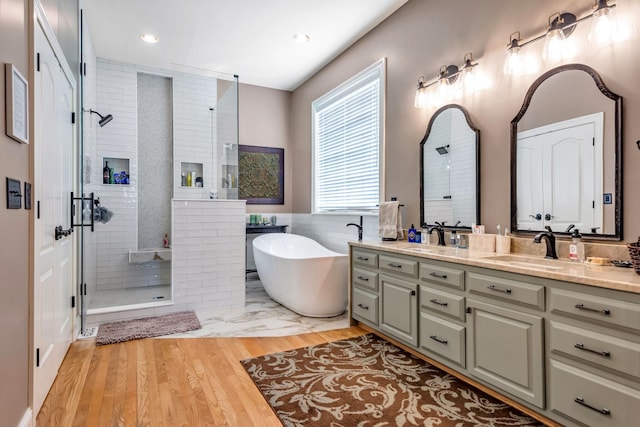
550	240
359	228
439	227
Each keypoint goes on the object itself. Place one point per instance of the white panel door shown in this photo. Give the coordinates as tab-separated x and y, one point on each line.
559	180
53	287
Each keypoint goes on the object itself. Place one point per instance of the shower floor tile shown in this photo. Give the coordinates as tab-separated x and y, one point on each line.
262	317
127	296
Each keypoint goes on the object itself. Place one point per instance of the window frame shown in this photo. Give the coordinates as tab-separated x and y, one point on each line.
375	70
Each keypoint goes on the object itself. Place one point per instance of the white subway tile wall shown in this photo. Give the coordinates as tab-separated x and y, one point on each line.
209	254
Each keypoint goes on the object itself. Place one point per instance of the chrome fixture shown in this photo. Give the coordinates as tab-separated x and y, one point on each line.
451	82
606	28
103	119
550	240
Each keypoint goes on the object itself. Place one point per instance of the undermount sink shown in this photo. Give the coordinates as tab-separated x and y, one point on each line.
532	262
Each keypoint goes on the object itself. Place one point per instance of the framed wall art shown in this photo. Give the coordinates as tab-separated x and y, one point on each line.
17	104
261	175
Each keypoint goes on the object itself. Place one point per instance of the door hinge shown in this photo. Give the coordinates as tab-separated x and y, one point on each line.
85	289
73	301
468	310
593	204
38	209
37	357
38	61
73	117
84	69
594	142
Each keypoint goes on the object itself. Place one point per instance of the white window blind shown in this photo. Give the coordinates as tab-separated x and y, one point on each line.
347	139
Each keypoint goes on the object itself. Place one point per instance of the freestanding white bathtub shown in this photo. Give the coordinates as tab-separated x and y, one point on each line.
301	274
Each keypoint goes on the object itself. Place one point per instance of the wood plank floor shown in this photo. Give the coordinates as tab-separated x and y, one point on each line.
167	382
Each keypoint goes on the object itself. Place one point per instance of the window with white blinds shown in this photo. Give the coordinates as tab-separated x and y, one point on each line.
347	143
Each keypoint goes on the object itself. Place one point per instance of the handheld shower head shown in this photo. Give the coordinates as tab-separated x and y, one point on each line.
103	119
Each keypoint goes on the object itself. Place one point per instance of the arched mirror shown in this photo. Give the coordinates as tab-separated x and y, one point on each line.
566	166
449	170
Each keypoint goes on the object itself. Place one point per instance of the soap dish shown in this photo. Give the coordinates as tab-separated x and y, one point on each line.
619	263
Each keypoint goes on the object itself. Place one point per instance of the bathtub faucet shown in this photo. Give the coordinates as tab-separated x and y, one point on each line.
359	228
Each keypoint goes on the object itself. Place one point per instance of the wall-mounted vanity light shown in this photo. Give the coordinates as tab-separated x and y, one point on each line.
451	83
606	28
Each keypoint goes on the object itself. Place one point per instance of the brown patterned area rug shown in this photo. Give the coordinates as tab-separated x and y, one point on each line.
366	381
126	330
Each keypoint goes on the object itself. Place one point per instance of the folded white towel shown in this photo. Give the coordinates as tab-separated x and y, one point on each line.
390	221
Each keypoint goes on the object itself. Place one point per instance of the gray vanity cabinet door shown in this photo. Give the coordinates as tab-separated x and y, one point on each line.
505	349
399	309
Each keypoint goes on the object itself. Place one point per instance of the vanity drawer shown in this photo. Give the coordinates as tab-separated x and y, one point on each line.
365	258
601	309
444	338
365	278
604	350
506	289
442	302
365	306
591	399
400	266
442	275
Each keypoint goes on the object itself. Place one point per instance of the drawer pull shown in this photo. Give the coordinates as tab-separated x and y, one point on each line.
366	279
604	311
581	346
364	307
440	340
603	411
438	275
435	301
363	258
497	289
394	265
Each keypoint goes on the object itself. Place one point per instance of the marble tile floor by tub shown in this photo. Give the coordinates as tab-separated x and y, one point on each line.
262	317
127	296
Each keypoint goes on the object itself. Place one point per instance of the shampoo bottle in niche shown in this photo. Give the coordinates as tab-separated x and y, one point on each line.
576	247
411	234
165	241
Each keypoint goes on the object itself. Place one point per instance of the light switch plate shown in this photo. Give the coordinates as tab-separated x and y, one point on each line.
27	195
14	195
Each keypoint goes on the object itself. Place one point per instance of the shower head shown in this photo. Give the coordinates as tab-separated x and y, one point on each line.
103	119
443	150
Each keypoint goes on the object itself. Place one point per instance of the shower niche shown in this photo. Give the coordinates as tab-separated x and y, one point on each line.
115	171
191	175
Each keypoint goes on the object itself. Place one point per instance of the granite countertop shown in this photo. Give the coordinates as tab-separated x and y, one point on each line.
603	276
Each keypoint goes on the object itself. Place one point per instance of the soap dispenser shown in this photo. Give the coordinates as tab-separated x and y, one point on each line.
411	233
576	247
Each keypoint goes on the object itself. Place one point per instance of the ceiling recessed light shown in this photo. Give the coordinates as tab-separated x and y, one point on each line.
301	38
149	38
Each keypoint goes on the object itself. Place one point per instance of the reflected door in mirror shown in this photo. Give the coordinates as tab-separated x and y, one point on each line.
565	153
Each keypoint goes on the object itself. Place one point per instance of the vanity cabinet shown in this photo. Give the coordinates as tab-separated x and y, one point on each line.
442	331
364	287
506	349
594	357
567	351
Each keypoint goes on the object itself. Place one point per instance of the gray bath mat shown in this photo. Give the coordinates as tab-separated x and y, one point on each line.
126	330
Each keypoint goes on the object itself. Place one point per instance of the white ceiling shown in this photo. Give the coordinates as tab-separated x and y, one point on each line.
250	38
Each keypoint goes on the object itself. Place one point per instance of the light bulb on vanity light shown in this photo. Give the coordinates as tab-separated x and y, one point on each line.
518	62
557	45
608	26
